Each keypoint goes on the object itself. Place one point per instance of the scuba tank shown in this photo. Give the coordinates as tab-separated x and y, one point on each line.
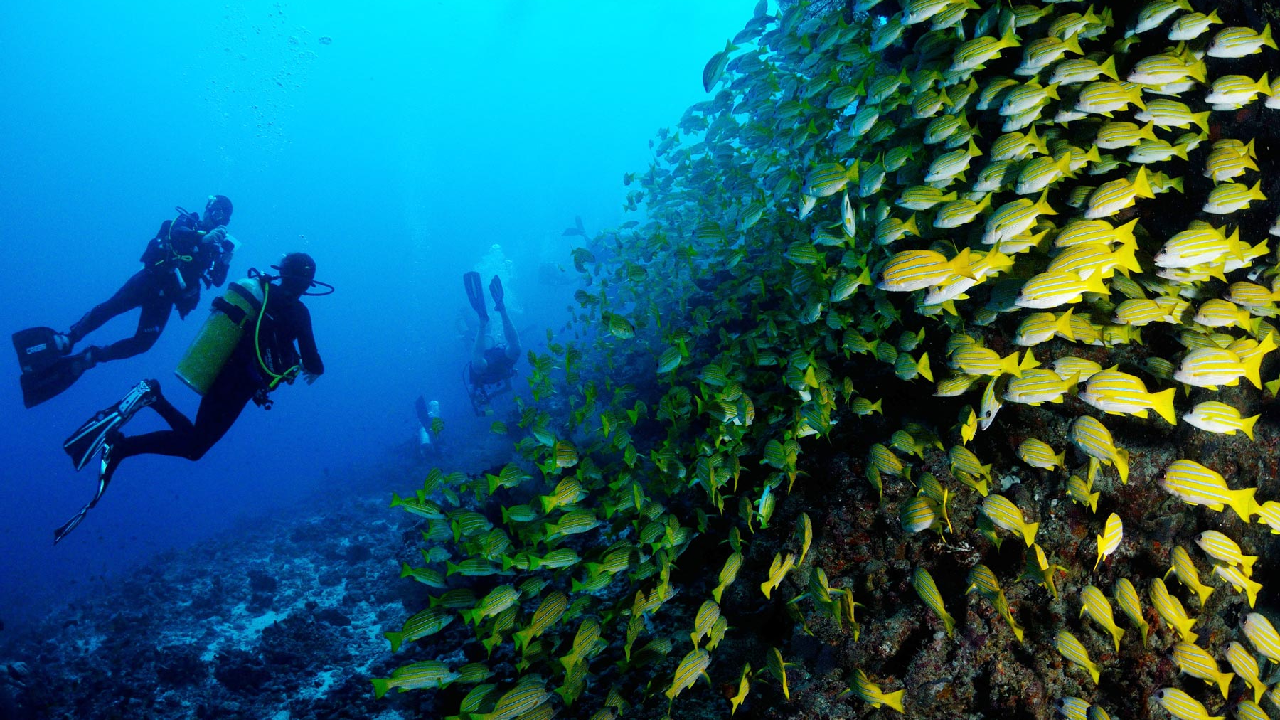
231	314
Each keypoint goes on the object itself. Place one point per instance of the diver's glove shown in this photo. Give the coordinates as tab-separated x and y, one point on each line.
216	235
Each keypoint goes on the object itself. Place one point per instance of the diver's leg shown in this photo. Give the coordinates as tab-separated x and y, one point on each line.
134	292
509	333
478	363
218	412
155	315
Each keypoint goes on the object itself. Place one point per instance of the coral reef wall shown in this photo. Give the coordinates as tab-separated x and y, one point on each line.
934	375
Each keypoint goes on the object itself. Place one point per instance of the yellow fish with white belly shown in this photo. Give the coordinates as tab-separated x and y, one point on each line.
1118	393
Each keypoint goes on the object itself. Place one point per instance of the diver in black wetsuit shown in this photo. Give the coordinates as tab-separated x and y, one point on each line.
286	322
273	349
185	252
491	368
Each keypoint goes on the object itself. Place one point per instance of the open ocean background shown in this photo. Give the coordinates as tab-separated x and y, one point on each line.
396	142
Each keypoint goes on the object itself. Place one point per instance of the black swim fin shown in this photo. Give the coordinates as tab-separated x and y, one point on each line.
38	348
475	294
495	289
105	471
86	441
44	384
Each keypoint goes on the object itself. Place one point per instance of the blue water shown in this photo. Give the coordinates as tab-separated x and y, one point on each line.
395	142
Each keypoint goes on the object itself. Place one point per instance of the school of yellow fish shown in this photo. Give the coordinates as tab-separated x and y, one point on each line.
1035	212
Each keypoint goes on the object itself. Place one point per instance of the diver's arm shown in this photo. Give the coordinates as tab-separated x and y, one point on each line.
311	361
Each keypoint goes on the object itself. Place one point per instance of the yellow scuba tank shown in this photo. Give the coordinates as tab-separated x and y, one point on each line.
231	314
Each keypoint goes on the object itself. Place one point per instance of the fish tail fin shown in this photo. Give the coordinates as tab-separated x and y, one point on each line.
1093	155
1127	257
1029	531
911	226
1010	38
876	407
1029	362
1213	17
1135	97
406	571
1224	683
1094	673
1051	90
1073	44
1246	425
1203	592
395	638
1266	37
893	699
1255	192
1109	68
380	686
1095	285
1063	325
1247	562
922	367
1093	501
1244	502
1042	205
1141	186
1009	365
948	622
1162	403
1121	460
1116	634
1253	368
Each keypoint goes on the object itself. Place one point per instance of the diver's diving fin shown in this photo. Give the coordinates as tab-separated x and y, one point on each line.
38	348
91	436
475	294
495	289
44	384
104	480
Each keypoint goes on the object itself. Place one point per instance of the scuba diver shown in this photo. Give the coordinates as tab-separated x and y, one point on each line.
490	371
257	336
186	251
428	434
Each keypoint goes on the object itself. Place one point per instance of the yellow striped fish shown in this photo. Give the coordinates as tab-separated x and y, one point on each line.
1245	666
1109	540
1072	366
728	574
552	607
1053	288
778	570
871	693
1170	609
1036	387
1092	437
1215	367
1015	217
1183	706
1094	604
1237	42
1262	635
1185	570
707	616
693	666
918	269
1116	195
1224	549
1196	484
1039	454
977	360
1118	393
927	589
418	676
1073	650
1239	581
1216	313
1005	514
1081	491
1043	327
1127	598
1227	198
1192	25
